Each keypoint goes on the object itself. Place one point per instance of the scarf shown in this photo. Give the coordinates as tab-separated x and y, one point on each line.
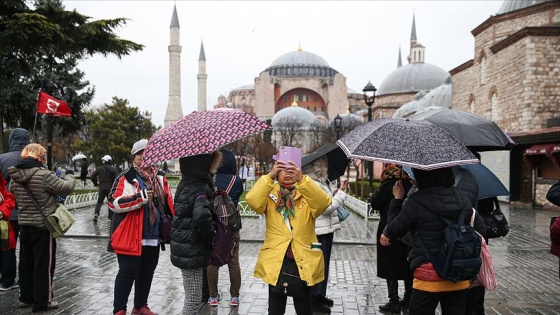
286	202
152	183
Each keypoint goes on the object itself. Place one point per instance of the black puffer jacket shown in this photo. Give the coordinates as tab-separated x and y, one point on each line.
106	175
44	185
193	227
422	212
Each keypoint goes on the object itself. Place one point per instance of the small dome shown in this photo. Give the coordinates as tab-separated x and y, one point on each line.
413	77
513	5
299	57
294	116
439	97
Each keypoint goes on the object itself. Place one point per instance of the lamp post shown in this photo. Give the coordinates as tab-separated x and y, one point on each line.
139	118
49	87
369	98
337	124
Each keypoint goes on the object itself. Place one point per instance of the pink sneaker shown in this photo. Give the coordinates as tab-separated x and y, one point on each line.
144	310
121	312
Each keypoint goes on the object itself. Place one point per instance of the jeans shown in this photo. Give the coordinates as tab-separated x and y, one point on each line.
100	200
137	270
234	272
37	261
326	241
425	303
8	265
277	303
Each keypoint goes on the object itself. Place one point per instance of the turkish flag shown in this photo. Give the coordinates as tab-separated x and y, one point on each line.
51	106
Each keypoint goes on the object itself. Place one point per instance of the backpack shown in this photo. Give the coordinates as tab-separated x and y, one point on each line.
225	216
458	257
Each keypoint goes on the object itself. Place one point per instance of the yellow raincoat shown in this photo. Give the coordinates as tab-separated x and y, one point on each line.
310	202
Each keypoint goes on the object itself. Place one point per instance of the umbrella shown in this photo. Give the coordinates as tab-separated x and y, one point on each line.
338	162
200	133
489	185
419	144
475	132
79	156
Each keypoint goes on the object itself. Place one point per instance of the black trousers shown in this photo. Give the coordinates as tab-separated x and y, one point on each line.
8	264
100	200
277	303
425	303
137	271
37	261
475	301
326	241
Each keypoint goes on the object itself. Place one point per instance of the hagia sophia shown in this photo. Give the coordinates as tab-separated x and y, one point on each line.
512	80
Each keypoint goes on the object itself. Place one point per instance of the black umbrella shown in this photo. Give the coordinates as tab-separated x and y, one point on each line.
475	132
338	162
415	143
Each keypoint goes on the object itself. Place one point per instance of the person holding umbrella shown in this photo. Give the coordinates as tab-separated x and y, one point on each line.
84	172
138	197
193	227
392	264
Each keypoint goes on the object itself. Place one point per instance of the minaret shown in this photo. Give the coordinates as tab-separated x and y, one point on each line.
417	51
399	62
174	109
202	76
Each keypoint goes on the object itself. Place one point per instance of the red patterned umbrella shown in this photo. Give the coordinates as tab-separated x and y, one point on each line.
200	133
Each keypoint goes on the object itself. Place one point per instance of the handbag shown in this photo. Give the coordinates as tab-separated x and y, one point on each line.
59	222
4	235
486	275
343	213
289	282
496	224
165	228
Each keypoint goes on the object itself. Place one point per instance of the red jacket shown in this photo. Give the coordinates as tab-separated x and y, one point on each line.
555	237
6	206
127	201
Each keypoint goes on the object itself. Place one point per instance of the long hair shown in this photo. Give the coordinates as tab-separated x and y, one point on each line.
438	177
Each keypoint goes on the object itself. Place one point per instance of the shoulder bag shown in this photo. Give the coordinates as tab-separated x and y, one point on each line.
289	282
59	222
343	213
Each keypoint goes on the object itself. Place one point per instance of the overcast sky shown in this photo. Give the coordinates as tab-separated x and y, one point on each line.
360	39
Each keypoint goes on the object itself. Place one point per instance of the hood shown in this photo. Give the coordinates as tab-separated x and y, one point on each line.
19	138
22	172
445	201
229	163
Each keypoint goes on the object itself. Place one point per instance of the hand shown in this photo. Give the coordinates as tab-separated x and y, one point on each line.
385	241
294	172
398	190
276	168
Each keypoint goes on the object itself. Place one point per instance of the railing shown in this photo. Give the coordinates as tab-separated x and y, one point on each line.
361	207
81	200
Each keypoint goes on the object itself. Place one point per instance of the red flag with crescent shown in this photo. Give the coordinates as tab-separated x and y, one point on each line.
51	106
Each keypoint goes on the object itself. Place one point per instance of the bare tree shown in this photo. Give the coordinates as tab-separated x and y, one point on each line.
288	128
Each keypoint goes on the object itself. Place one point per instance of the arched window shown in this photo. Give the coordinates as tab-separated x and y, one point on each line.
483	70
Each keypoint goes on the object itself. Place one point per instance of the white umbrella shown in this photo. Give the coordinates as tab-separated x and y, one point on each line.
79	156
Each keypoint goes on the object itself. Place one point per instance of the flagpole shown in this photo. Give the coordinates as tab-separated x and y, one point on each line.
49	87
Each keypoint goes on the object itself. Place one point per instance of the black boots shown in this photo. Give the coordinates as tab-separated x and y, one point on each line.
318	306
394	306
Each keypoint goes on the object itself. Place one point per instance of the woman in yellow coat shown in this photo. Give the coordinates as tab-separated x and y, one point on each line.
290	207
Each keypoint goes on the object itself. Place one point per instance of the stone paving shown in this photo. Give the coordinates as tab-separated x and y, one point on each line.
85	272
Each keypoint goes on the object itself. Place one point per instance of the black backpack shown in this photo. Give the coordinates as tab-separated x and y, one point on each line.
458	258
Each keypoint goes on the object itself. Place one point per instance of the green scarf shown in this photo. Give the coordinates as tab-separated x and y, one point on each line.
286	202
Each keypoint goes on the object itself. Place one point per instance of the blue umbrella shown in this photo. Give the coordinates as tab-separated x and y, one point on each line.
488	184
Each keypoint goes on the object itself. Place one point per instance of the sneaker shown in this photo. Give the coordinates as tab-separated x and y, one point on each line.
25	305
95	218
234	301
144	310
121	312
51	306
213	301
391	307
12	287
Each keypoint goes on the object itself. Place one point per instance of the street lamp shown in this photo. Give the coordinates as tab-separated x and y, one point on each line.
337	124
369	97
139	118
50	88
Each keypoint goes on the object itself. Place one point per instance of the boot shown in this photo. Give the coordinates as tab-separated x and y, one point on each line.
319	307
394	305
325	300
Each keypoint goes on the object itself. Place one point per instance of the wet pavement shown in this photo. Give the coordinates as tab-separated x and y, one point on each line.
85	271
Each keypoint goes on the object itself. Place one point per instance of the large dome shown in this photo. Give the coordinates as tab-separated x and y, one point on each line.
294	116
413	77
513	5
300	63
